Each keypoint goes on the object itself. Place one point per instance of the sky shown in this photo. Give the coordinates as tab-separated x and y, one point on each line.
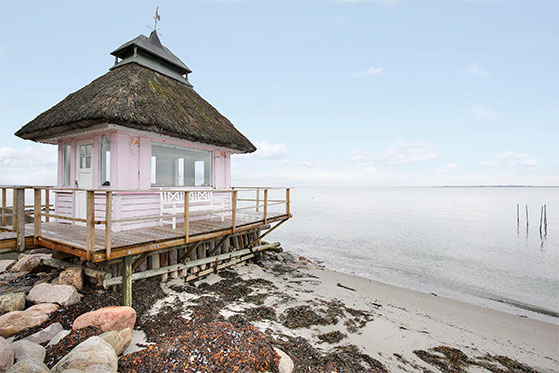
332	93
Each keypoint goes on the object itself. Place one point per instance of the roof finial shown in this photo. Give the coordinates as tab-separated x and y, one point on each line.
156	18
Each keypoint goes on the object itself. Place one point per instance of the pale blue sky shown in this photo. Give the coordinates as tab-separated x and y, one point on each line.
332	92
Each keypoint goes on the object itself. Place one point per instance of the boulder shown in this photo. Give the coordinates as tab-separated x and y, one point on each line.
28	263
43	308
29	366
46	334
65	295
92	355
118	339
57	338
6	355
107	318
72	276
24	350
12	302
5	264
285	364
14	322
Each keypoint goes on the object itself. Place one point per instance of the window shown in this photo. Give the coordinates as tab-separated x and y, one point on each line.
105	162
85	155
67	154
177	166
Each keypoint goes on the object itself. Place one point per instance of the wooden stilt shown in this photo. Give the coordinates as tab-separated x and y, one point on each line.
173	260
164	261
127	281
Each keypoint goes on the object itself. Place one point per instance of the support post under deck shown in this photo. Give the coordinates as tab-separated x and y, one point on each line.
127	281
19	224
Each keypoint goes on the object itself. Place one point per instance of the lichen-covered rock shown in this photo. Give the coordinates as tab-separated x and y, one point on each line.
119	339
65	295
5	264
12	302
46	334
93	355
28	263
24	350
16	321
29	366
6	355
107	318
72	276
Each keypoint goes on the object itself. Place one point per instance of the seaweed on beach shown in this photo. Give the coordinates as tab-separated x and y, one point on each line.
212	347
342	359
453	360
332	337
304	316
56	352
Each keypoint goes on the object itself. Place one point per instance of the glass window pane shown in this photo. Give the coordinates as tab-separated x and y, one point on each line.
180	166
105	161
66	158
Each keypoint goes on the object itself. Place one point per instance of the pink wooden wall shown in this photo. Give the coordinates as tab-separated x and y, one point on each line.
130	169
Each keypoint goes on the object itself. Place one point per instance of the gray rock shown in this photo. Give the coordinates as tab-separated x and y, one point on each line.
12	302
29	366
92	355
25	350
46	334
57	338
28	263
118	339
5	264
6	355
285	364
65	295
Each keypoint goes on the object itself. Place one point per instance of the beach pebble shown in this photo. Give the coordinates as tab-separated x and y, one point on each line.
119	339
46	334
28	263
5	264
57	338
65	295
12	302
24	350
29	366
72	276
92	355
285	364
107	318
6	355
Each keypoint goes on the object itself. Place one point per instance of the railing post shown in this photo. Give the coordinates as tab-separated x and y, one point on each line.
265	206
3	206
108	225
37	214
14	208
257	199
234	214
20	218
287	203
186	216
90	217
47	202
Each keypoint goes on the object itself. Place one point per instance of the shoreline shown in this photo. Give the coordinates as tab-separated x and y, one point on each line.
489	301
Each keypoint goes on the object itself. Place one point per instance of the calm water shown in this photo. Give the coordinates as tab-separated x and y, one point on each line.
461	243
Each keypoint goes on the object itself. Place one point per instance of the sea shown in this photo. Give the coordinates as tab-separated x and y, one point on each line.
463	243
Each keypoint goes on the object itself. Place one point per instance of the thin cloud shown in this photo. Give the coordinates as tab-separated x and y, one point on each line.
489	163
481	112
370	72
270	151
402	152
451	166
476	69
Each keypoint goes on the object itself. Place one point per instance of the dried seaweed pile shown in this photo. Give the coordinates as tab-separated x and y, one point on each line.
213	347
453	360
62	348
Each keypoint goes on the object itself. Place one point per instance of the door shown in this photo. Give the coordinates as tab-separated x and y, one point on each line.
84	176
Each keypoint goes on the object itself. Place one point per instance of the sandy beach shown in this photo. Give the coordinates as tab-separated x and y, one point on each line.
343	316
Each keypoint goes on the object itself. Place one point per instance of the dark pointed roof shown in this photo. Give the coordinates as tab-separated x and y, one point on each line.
135	96
149	52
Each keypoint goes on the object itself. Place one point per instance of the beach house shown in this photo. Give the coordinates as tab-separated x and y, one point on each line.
140	126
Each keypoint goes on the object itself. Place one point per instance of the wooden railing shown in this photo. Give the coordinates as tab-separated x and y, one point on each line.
43	210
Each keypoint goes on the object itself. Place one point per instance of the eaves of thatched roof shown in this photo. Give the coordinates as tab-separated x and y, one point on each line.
136	97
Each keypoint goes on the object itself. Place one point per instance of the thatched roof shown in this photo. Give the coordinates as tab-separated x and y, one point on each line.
134	96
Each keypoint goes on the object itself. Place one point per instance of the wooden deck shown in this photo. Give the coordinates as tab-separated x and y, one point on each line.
72	239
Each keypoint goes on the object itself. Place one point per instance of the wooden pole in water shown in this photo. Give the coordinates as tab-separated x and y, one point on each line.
527	217
545	219
517	216
127	281
541	220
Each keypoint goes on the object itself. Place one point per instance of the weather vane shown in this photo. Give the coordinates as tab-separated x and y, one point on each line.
156	18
